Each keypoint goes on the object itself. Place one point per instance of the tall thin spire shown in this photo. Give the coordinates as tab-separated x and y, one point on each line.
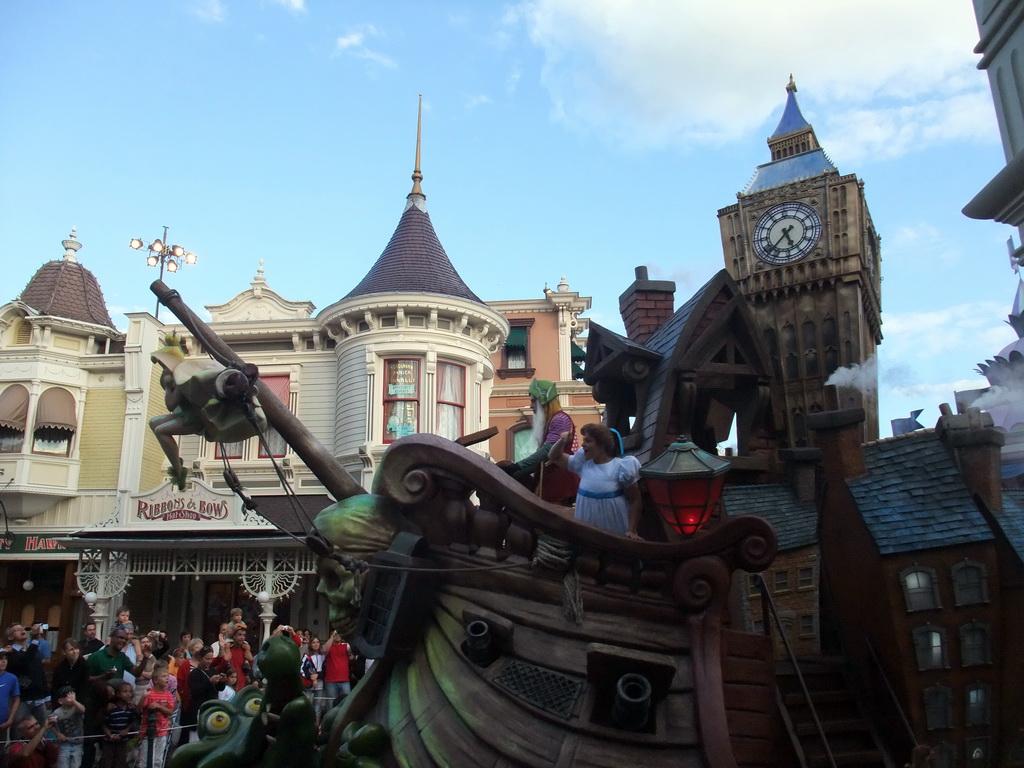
417	177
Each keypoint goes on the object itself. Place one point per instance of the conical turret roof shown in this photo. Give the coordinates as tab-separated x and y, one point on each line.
792	119
414	260
64	288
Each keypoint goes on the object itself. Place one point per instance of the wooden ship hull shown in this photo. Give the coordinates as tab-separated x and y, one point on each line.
478	662
543	692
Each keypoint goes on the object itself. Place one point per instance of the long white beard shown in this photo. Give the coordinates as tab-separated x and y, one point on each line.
540	429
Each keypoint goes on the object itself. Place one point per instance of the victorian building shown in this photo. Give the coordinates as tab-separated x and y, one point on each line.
410	348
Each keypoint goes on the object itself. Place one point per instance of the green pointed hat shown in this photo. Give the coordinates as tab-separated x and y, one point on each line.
545	391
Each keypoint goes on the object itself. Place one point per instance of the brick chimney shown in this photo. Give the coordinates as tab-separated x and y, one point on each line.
977	449
800	466
646	305
838	435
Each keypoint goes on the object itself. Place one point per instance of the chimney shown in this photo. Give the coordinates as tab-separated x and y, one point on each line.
646	305
977	449
800	466
838	435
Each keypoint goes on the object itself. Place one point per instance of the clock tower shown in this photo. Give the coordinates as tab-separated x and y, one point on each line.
800	243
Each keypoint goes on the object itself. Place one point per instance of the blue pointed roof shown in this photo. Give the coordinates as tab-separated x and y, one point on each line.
790	169
792	119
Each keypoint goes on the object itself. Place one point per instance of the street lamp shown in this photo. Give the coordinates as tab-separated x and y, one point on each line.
685	484
164	255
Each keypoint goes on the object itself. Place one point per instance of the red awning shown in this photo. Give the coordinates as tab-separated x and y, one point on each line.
14	407
57	410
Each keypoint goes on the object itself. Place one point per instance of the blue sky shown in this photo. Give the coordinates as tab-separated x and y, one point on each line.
560	137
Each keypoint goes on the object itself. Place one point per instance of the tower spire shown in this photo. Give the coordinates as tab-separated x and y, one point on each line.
417	177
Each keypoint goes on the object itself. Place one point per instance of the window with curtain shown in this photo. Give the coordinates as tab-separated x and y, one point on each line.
938	707
516	346
930	644
13	416
401	398
969	583
451	400
56	422
978	704
974	644
920	588
280	386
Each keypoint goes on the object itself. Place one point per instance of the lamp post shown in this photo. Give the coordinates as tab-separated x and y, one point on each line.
685	484
162	254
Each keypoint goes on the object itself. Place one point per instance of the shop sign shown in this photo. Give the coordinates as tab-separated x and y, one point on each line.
199	503
20	544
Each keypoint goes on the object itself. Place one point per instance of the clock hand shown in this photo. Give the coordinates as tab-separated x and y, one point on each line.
785	234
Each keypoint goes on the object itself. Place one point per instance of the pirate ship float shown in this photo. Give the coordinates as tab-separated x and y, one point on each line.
507	634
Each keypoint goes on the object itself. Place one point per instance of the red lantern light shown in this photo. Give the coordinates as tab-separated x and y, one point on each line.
685	484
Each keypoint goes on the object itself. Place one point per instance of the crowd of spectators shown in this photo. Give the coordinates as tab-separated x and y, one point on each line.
128	702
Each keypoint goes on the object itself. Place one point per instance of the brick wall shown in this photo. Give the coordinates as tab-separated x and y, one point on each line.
645	305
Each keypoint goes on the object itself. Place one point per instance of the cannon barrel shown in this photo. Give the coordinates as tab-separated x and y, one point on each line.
339	483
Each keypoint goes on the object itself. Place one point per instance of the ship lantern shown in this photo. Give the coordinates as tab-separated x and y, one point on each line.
685	484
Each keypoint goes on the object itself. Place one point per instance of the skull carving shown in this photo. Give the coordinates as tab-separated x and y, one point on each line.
358	527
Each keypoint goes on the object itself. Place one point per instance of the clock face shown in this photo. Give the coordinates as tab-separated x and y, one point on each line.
786	233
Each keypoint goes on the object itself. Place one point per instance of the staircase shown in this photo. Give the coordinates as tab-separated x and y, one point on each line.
849	733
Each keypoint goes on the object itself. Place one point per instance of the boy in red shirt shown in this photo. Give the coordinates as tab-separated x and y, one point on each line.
158	703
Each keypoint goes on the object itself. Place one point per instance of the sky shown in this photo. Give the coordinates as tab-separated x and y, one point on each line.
575	138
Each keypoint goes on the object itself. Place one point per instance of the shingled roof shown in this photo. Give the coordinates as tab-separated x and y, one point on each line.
795	522
64	288
414	261
913	497
1010	520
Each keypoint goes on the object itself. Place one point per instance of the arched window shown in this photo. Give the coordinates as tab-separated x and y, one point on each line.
13	415
920	588
978	706
938	707
56	422
451	400
930	645
975	644
943	755
969	585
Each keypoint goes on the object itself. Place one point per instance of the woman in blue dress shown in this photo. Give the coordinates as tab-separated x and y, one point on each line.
608	497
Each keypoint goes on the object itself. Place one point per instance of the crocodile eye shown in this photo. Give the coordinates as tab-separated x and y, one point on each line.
252	706
217	722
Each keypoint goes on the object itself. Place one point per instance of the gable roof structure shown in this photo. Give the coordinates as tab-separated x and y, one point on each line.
711	336
913	496
795	522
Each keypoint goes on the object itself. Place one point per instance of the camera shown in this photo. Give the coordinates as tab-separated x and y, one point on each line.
44	627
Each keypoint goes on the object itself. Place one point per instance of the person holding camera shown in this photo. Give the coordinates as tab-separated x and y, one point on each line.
204	683
26	664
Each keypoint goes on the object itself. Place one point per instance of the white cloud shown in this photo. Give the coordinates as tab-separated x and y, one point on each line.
210	10
475	101
977	329
924	243
651	73
354	44
297	6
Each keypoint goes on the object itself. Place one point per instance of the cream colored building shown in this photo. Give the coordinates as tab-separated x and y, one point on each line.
409	349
